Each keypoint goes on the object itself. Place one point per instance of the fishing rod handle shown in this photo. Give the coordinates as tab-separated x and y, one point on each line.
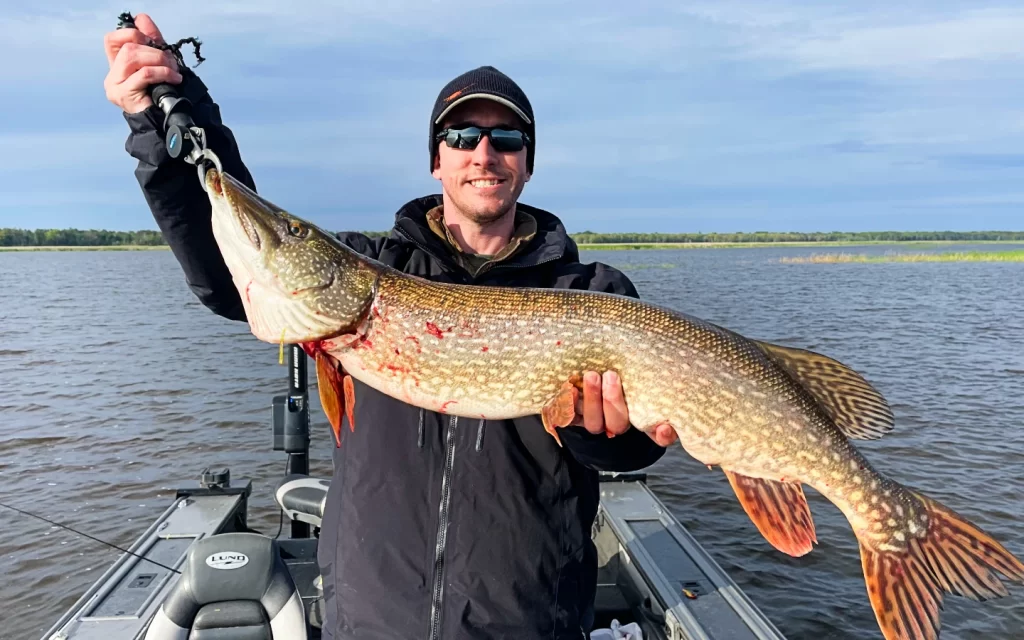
178	122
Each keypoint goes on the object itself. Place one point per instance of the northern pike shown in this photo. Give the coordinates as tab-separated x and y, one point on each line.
774	418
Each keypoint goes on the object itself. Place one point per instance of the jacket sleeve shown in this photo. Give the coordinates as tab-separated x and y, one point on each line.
177	200
634	449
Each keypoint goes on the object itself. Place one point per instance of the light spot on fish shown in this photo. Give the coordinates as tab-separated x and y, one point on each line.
892	522
837	456
862	508
912	526
856	495
874	484
812	437
876	516
899	509
889	547
887	508
858	480
874	499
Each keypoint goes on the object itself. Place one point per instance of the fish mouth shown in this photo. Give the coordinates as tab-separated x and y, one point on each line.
217	185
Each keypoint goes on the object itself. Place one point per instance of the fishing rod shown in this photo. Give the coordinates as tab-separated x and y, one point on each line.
64	526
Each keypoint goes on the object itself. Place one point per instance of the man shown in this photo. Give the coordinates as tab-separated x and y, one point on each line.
435	526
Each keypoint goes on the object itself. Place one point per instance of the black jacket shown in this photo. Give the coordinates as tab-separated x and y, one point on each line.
435	526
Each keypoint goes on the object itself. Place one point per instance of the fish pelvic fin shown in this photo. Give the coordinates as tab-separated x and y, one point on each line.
779	511
333	393
560	410
854	405
908	576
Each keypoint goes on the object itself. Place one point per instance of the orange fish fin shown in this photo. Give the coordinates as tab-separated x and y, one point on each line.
560	410
857	408
350	401
779	511
332	399
951	555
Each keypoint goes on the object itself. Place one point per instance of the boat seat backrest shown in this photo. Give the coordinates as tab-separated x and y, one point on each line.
303	498
244	576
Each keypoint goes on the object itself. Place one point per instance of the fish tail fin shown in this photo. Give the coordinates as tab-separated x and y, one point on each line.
929	551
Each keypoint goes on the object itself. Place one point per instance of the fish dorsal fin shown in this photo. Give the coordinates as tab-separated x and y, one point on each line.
855	406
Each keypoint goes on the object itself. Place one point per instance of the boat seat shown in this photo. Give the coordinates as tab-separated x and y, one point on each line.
234	586
303	498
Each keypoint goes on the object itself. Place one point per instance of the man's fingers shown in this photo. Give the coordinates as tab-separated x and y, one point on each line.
616	415
145	33
148	76
665	435
146	25
593	407
133	57
113	41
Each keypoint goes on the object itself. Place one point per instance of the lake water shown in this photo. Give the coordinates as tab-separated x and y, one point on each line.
116	385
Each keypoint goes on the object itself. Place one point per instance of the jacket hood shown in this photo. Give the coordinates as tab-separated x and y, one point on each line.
551	242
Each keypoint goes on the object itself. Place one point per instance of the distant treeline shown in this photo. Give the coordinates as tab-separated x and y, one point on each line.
87	238
77	238
101	238
588	237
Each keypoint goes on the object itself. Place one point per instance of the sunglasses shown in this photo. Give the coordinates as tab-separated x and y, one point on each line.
469	137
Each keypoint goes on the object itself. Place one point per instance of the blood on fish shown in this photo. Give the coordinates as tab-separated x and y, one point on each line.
444	407
434	331
558	344
397	352
483	348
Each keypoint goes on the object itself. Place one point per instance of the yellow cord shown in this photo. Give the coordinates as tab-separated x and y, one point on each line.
280	351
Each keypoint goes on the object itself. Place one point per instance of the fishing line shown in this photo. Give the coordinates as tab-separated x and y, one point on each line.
64	526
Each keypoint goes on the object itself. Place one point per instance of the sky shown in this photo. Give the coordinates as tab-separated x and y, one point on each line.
797	115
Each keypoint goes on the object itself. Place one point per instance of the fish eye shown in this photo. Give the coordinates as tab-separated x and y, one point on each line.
297	229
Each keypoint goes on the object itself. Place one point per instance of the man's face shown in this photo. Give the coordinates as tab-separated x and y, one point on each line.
464	173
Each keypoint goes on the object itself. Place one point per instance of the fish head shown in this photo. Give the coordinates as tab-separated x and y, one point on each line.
297	282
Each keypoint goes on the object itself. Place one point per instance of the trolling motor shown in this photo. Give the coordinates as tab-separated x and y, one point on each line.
291	423
183	138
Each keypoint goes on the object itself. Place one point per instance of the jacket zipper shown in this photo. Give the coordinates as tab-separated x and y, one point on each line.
442	530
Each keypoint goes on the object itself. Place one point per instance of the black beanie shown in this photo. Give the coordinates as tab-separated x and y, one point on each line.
489	83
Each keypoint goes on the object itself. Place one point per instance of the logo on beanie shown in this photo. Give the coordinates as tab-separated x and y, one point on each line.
458	93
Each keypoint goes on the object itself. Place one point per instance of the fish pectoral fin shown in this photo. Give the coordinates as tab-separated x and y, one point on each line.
350	401
560	410
779	511
333	394
856	407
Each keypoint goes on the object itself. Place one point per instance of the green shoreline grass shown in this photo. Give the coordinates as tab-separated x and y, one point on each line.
952	256
626	246
126	247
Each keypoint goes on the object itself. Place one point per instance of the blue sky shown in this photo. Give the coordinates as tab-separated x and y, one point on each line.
671	116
